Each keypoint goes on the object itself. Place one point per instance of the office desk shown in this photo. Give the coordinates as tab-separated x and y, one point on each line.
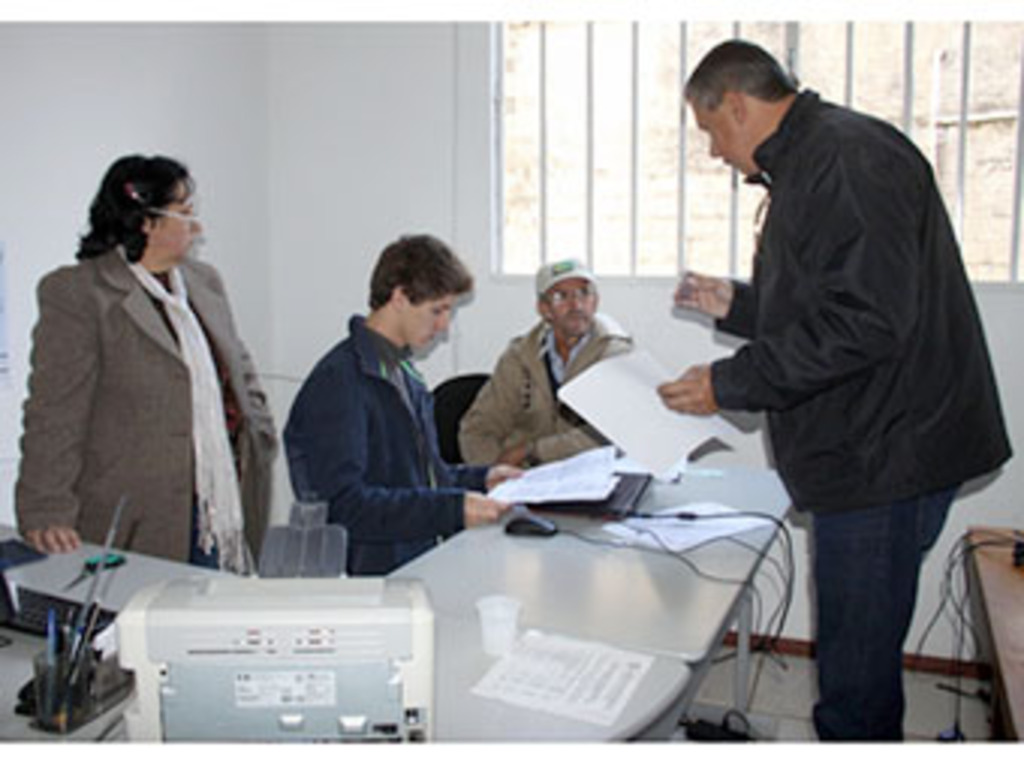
52	575
634	599
1001	592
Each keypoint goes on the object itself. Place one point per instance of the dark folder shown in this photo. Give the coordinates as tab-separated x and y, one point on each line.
621	503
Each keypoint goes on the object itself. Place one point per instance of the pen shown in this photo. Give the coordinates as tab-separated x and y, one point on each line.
82	613
51	637
51	672
79	642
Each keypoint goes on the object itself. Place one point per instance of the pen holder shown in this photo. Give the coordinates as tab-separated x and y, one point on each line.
65	703
62	703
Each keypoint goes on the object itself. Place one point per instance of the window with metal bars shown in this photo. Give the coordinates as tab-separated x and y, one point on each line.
600	159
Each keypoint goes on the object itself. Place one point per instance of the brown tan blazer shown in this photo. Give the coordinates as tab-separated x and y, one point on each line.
517	404
109	410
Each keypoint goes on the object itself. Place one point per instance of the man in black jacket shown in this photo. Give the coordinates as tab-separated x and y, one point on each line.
865	350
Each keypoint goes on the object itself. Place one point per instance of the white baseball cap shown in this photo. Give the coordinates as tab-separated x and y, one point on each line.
551	274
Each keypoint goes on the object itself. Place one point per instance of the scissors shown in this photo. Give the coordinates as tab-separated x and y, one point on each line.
92	564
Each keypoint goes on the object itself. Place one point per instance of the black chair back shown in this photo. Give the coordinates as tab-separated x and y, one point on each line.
452	399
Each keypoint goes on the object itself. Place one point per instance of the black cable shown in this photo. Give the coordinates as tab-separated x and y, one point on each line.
663	552
786	574
770	641
788	550
1001	541
959	552
954	559
786	571
956	608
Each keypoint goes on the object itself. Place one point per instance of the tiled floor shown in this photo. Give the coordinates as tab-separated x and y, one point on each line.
782	698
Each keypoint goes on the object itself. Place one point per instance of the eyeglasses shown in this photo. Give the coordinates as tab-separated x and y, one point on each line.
557	297
190	218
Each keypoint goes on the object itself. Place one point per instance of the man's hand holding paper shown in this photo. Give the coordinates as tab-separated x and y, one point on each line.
691	393
619	396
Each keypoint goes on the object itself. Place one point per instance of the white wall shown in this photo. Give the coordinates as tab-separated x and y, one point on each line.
76	97
361	151
314	146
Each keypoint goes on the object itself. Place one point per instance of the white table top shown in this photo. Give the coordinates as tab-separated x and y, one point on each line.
633	599
628	598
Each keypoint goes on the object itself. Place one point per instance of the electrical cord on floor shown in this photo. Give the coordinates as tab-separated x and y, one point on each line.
734	727
955	607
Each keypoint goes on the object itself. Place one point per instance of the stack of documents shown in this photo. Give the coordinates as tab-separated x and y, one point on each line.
588	476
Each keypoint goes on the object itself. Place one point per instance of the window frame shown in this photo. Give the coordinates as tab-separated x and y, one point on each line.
736	236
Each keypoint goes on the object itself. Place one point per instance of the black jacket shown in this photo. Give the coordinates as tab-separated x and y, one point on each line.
866	347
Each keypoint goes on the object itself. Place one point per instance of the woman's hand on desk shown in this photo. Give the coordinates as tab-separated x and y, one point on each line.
54	539
478	509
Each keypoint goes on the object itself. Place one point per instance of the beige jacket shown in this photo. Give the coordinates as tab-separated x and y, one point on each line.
109	411
517	405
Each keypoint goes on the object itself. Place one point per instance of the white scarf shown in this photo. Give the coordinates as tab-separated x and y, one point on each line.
216	482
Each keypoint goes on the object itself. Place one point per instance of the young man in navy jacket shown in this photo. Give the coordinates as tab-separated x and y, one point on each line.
361	433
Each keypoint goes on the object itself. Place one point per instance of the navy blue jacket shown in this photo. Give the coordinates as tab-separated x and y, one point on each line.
866	351
352	441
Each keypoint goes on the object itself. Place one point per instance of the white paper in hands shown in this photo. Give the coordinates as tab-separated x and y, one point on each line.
619	397
588	476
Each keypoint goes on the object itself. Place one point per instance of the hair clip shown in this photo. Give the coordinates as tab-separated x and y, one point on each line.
133	193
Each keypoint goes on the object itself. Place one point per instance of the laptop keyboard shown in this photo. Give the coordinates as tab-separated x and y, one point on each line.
31	609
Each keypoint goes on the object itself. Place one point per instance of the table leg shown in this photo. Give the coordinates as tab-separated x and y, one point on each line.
741	680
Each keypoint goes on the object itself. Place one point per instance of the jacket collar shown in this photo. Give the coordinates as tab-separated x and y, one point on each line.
365	347
207	304
113	269
771	154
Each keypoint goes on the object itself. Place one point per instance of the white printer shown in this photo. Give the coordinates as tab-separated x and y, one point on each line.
219	659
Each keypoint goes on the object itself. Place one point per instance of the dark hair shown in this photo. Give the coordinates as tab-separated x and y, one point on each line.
739	66
133	187
423	267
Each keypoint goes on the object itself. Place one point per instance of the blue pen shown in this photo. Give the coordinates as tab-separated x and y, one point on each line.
45	708
51	637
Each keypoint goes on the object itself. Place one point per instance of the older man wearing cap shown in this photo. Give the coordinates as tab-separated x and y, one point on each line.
517	418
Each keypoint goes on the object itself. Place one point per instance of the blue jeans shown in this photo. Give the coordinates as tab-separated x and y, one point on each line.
866	565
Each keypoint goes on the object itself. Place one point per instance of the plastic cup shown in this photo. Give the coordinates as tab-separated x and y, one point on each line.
499	621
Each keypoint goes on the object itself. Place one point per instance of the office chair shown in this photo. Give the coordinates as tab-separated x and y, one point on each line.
452	398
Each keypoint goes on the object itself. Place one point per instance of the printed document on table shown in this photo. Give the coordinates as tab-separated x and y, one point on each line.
711	521
588	476
572	678
619	397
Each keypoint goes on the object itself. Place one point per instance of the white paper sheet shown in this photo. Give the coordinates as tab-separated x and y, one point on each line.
619	397
572	678
588	476
665	532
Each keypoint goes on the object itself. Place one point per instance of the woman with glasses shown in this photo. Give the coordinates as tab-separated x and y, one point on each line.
141	394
